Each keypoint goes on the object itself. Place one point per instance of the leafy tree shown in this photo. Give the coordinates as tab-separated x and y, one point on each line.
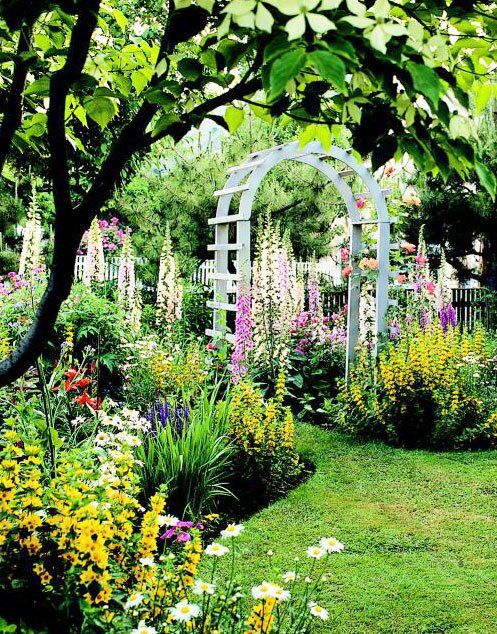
461	216
175	186
79	79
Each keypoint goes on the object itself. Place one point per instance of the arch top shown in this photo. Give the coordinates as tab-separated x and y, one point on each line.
246	178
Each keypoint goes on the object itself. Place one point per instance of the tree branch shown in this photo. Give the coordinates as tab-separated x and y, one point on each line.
68	228
13	110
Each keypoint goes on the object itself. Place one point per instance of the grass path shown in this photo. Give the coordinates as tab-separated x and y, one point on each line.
420	530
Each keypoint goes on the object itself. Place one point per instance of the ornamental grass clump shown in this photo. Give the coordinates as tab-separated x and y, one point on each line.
434	388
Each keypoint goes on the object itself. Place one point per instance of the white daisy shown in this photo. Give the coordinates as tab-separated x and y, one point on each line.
280	594
134	599
318	611
232	530
331	545
144	629
202	587
263	591
167	520
216	550
101	438
184	611
315	552
290	576
147	561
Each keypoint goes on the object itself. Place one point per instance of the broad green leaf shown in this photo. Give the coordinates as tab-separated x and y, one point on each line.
330	5
263	19
139	81
460	127
359	21
276	47
161	67
416	31
323	135
307	135
164	122
284	69
379	38
207	5
487	178
239	7
483	94
234	118
120	18
39	87
356	7
247	20
426	81
261	113
293	7
330	67
295	27
100	109
380	9
190	68
395	29
320	23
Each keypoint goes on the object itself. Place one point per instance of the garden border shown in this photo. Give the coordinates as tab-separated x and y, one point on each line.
246	178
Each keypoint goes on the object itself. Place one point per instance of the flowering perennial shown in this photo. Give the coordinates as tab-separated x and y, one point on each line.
94	267
30	262
169	286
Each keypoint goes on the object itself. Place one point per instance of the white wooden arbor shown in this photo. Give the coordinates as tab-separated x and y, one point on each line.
246	178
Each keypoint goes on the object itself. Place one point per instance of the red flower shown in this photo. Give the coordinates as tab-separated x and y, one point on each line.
83	383
85	399
71	374
69	386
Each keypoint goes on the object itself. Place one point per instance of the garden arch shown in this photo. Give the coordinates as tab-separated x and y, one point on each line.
246	178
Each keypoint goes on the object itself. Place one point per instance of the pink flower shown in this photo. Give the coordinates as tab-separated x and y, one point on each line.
361	203
183	536
346	272
244	342
402	279
344	254
430	287
421	259
408	247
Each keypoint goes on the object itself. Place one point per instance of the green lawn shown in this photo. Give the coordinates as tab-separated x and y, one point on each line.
420	530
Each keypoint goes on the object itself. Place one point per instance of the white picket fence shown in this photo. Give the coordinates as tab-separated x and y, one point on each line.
111	268
205	272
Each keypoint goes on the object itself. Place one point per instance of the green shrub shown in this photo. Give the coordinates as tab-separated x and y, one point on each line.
429	389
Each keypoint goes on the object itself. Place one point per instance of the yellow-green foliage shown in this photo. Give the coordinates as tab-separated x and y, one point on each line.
428	389
81	531
263	429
